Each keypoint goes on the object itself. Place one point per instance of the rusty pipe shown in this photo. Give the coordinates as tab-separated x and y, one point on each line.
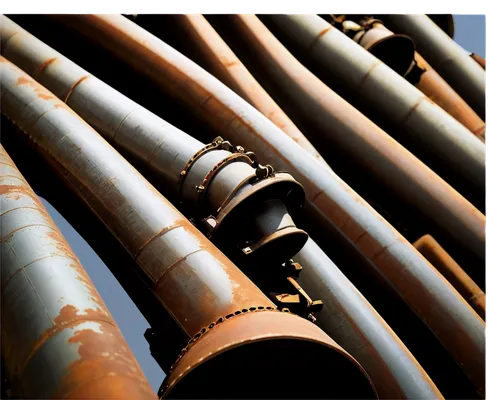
96	102
447	266
480	60
446	56
352	322
455	152
225	65
368	145
58	338
375	35
228	318
330	202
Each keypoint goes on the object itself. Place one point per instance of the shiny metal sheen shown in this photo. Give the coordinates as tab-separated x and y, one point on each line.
189	276
331	203
58	338
428	125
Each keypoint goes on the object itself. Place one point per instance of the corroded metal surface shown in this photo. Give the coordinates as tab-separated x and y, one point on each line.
395	372
333	203
454	149
226	66
205	176
432	84
443	262
193	280
365	142
353	323
58	338
450	60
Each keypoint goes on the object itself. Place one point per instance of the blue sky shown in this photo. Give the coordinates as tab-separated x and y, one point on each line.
469	33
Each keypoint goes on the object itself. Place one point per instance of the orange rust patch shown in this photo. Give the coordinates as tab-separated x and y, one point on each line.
23	81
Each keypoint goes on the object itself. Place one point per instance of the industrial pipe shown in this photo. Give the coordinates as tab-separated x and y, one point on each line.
395	49
330	203
394	371
447	266
450	60
366	144
480	60
356	74
58	338
199	35
231	322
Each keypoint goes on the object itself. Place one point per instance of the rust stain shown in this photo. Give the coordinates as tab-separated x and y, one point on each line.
43	66
83	78
320	35
368	73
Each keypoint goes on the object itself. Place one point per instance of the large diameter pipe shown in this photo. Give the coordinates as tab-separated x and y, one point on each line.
225	65
446	56
394	371
447	142
330	203
368	145
231	322
446	265
421	74
58	338
349	318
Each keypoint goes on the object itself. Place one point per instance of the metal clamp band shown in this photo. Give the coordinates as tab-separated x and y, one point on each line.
202	189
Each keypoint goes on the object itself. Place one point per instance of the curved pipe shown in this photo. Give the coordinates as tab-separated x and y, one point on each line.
447	266
354	134
425	125
450	60
330	202
58	338
430	83
225	65
211	299
348	318
395	372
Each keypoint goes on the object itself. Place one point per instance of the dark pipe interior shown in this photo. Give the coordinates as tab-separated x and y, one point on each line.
276	369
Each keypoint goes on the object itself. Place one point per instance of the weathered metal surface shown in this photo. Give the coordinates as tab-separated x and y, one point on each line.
428	81
226	66
480	60
367	145
205	177
450	60
447	266
194	281
331	203
425	125
354	324
58	338
401	378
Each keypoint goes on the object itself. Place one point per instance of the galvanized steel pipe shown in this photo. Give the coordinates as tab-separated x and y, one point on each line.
421	74
330	202
446	265
211	299
396	374
58	338
450	60
448	142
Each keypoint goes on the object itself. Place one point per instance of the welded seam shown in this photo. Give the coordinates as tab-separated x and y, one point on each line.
73	87
155	236
113	136
19	208
318	37
171	266
4	285
4	238
15	177
44	65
